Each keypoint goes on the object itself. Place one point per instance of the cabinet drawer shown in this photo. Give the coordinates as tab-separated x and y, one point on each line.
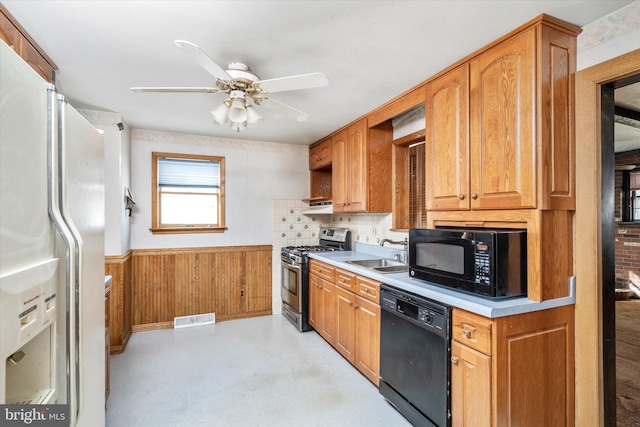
346	279
368	288
472	330
321	269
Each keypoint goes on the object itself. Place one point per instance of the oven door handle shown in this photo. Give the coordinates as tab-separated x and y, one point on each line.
291	266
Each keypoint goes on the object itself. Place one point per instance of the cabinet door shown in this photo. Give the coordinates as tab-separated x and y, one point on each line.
345	332
502	117
328	312
257	268
358	182
447	141
339	177
368	339
10	34
320	155
315	301
470	387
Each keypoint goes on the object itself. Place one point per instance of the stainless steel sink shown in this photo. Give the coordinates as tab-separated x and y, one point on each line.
381	265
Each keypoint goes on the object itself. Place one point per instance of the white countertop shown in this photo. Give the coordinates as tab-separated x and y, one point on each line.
483	306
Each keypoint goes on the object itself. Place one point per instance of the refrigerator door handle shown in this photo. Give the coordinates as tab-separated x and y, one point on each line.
57	211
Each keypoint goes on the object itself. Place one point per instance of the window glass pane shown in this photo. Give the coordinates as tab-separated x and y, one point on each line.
188	173
635	205
181	208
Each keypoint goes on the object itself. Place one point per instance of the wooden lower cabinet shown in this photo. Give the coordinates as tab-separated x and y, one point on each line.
322	304
347	314
345	341
513	371
471	383
367	358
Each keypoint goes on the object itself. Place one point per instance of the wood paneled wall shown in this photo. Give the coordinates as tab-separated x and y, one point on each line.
119	267
232	282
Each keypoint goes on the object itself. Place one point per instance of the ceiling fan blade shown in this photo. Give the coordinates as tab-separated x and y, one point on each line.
277	105
202	59
303	81
176	89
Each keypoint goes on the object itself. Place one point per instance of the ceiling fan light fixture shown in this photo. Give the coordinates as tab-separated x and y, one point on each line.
237	126
220	114
253	117
237	106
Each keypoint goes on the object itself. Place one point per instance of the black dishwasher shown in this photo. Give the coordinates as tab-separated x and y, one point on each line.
415	350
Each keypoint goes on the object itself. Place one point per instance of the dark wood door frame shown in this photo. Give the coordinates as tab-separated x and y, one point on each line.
608	255
608	111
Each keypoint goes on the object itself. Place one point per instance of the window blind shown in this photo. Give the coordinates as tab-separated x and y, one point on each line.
188	173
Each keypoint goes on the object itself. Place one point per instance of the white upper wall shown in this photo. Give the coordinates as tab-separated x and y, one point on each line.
117	162
255	174
610	36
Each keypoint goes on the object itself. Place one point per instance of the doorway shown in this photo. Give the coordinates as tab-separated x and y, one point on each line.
620	147
594	260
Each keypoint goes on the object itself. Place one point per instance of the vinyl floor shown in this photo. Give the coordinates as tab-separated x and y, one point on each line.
248	372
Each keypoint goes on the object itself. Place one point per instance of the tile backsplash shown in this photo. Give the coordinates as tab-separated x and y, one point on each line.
290	227
293	228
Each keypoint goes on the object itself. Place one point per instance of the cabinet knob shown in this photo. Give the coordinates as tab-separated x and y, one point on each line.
365	290
356	306
474	196
461	196
466	333
454	360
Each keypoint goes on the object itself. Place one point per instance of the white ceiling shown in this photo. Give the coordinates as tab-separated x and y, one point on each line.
627	138
371	51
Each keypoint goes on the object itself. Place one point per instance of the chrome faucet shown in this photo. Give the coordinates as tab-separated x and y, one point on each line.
405	246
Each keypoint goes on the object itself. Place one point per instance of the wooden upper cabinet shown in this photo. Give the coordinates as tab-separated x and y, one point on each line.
502	94
350	169
358	167
320	155
447	141
515	100
340	168
9	33
17	38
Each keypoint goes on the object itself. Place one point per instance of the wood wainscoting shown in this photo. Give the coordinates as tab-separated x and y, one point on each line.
119	268
232	282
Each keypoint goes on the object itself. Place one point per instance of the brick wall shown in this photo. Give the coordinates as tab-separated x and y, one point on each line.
627	236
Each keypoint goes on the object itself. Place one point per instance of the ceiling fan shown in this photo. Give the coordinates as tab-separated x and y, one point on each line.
245	89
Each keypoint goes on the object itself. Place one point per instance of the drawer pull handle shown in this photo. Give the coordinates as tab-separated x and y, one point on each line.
466	333
454	360
366	291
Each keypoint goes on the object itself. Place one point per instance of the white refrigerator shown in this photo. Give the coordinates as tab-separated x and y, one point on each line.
52	320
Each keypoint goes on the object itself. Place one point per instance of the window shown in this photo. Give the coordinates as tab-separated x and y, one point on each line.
187	193
630	196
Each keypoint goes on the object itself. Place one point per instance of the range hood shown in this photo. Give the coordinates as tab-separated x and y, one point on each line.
318	206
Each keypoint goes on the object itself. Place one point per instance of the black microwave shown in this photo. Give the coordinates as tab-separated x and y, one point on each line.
487	262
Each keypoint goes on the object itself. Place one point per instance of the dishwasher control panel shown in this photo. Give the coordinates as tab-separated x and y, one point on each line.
427	314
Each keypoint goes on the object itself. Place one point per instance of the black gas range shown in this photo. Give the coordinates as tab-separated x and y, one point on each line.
295	273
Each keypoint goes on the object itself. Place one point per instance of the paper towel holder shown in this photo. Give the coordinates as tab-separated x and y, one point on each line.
129	201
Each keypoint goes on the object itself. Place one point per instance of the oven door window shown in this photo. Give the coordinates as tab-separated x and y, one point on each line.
290	280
